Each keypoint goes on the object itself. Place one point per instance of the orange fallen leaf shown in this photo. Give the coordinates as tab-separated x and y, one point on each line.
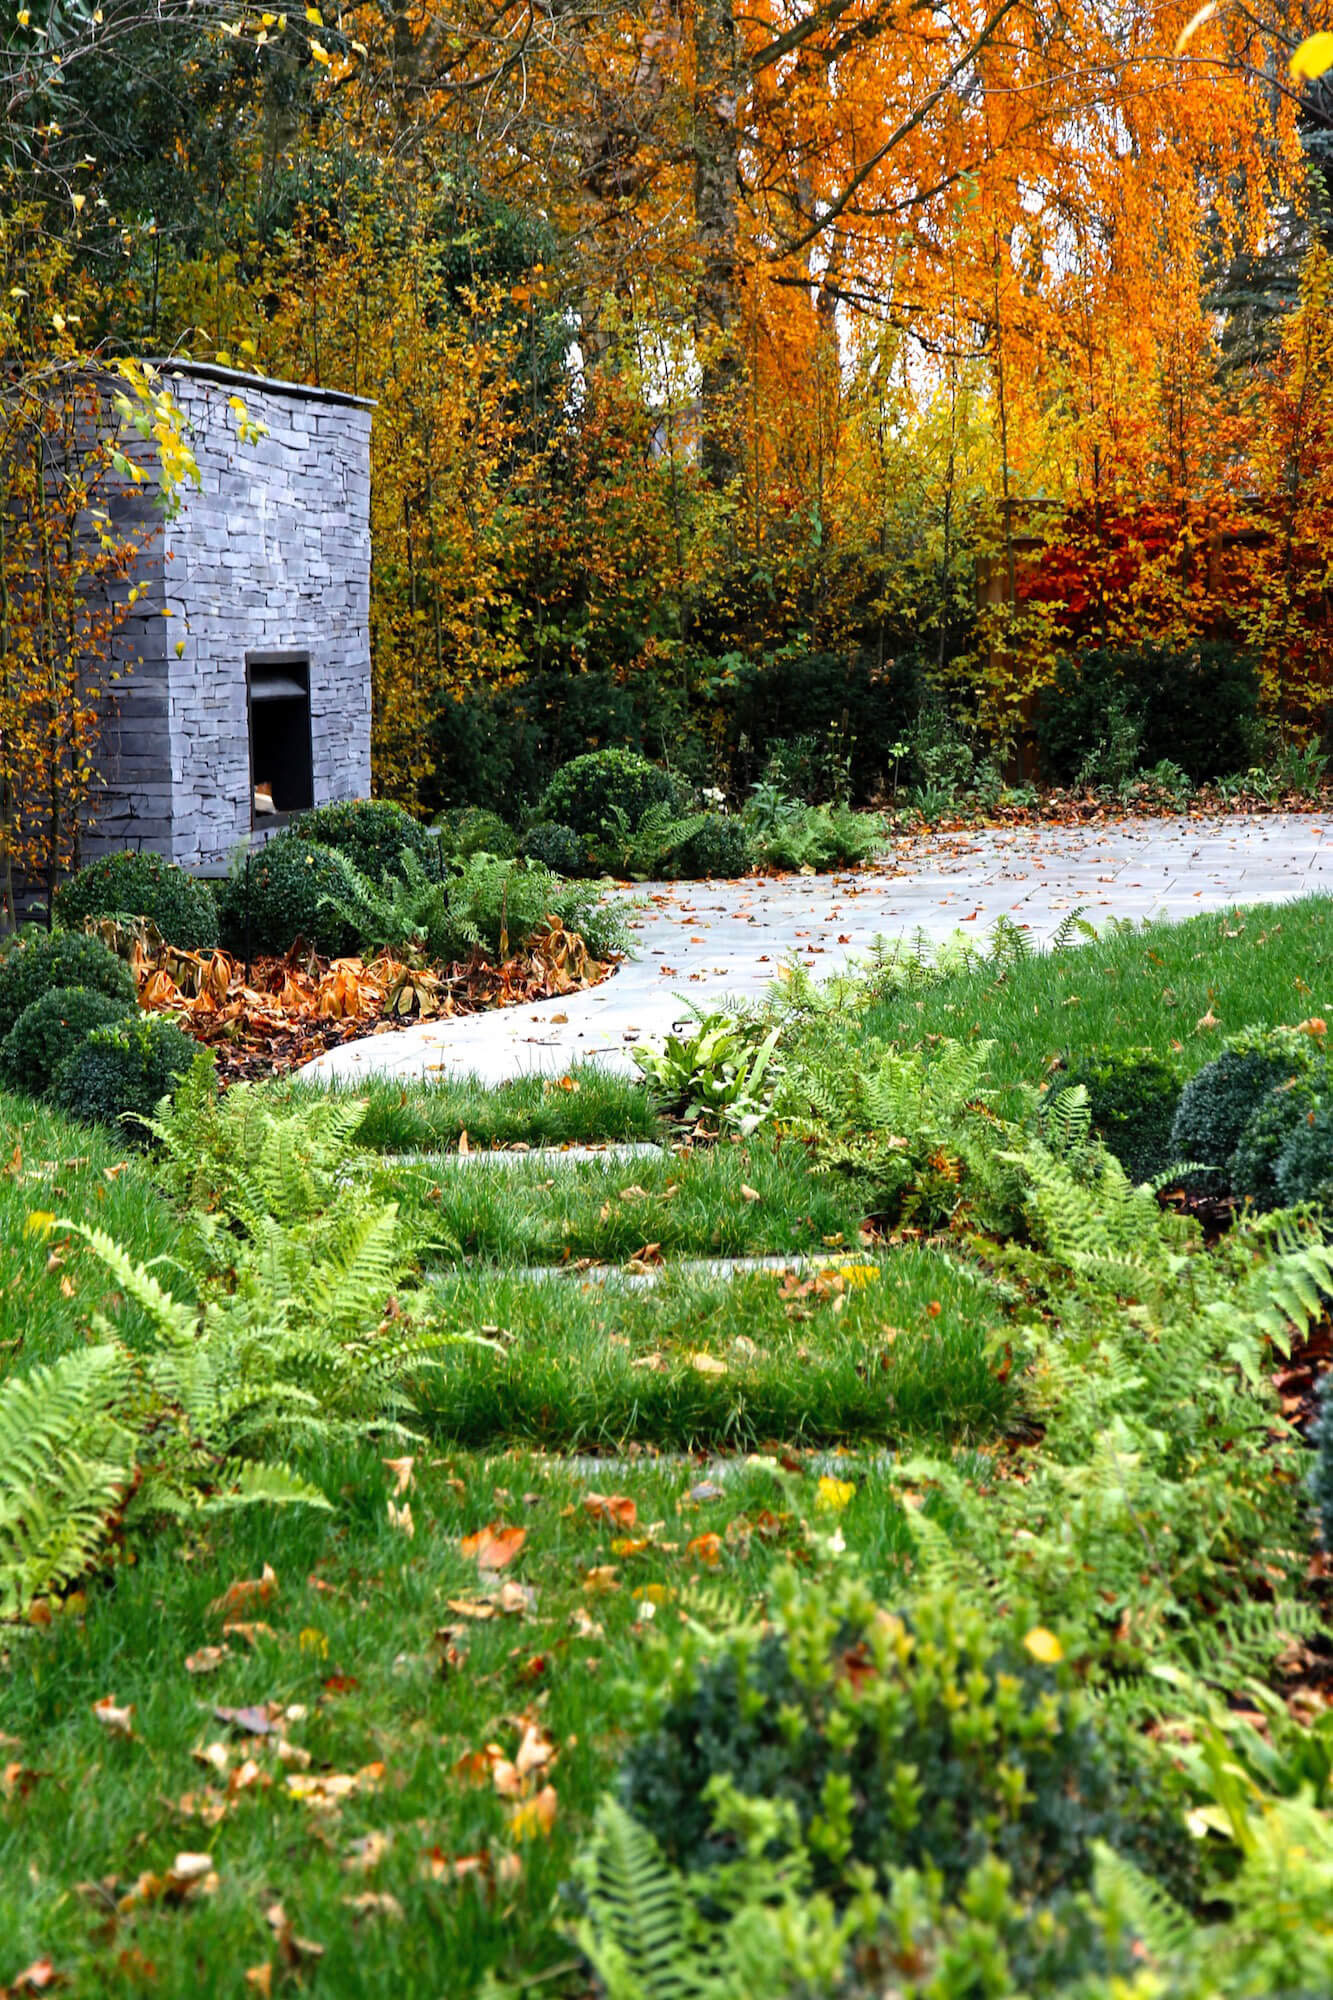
495	1547
116	1721
706	1549
207	1660
616	1507
245	1593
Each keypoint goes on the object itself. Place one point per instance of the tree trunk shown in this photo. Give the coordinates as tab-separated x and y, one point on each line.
717	88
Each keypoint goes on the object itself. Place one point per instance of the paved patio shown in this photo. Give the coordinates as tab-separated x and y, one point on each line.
705	941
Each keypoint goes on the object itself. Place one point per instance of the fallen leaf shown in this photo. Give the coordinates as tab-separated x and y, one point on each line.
401	1518
834	1494
534	1820
749	1193
260	1977
600	1580
402	1470
116	1721
39	1977
252	1721
616	1507
245	1593
207	1660
322	1790
706	1549
1044	1646
495	1547
371	1903
707	1364
251	1633
366	1853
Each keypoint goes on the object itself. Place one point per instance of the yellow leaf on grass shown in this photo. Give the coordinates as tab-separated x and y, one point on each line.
535	1819
1044	1646
834	1494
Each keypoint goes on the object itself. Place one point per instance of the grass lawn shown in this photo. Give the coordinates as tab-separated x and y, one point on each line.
1133	988
392	1758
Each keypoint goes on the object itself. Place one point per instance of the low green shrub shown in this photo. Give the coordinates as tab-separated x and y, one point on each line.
35	961
1253	1169
785	834
720	848
556	847
1132	1095
372	833
50	1029
286	886
1217	1104
648	850
1304	1170
142	885
124	1070
931	1738
1321	1478
586	792
1198	706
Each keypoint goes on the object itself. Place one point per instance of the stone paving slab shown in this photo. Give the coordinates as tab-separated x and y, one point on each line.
704	942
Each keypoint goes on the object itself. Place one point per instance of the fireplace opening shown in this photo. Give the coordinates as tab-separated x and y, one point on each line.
282	777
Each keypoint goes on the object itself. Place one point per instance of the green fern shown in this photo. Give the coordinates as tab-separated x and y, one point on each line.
65	1463
636	1930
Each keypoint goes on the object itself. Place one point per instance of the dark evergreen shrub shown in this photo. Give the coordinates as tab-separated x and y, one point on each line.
49	1029
1321	1478
35	961
584	792
1132	1095
1254	1164
372	833
721	848
556	847
143	885
287	880
936	1738
1198	706
124	1070
1304	1170
1217	1104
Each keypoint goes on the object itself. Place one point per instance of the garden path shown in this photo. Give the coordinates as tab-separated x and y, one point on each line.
703	942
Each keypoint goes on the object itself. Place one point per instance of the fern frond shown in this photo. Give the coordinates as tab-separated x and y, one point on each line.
636	1931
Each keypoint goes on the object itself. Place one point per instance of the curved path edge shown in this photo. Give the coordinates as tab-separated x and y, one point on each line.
700	943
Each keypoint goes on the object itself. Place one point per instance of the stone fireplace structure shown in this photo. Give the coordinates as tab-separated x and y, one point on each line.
243	668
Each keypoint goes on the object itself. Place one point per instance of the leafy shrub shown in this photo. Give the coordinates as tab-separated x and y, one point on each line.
1321	1479
786	834
586	792
35	961
478	831
495	906
1132	1095
1253	1170
372	833
719	848
293	888
556	847
722	1072
143	885
52	1028
1198	708
1217	1104
647	849
1304	1170
124	1070
931	1738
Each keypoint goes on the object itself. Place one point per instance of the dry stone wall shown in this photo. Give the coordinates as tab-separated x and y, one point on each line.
270	554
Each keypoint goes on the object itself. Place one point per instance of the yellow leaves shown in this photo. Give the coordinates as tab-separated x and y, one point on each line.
320	53
1044	1646
833	1495
40	1223
325	1791
1313	58
534	1819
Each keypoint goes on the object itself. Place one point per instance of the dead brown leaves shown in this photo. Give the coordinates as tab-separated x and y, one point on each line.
281	1012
